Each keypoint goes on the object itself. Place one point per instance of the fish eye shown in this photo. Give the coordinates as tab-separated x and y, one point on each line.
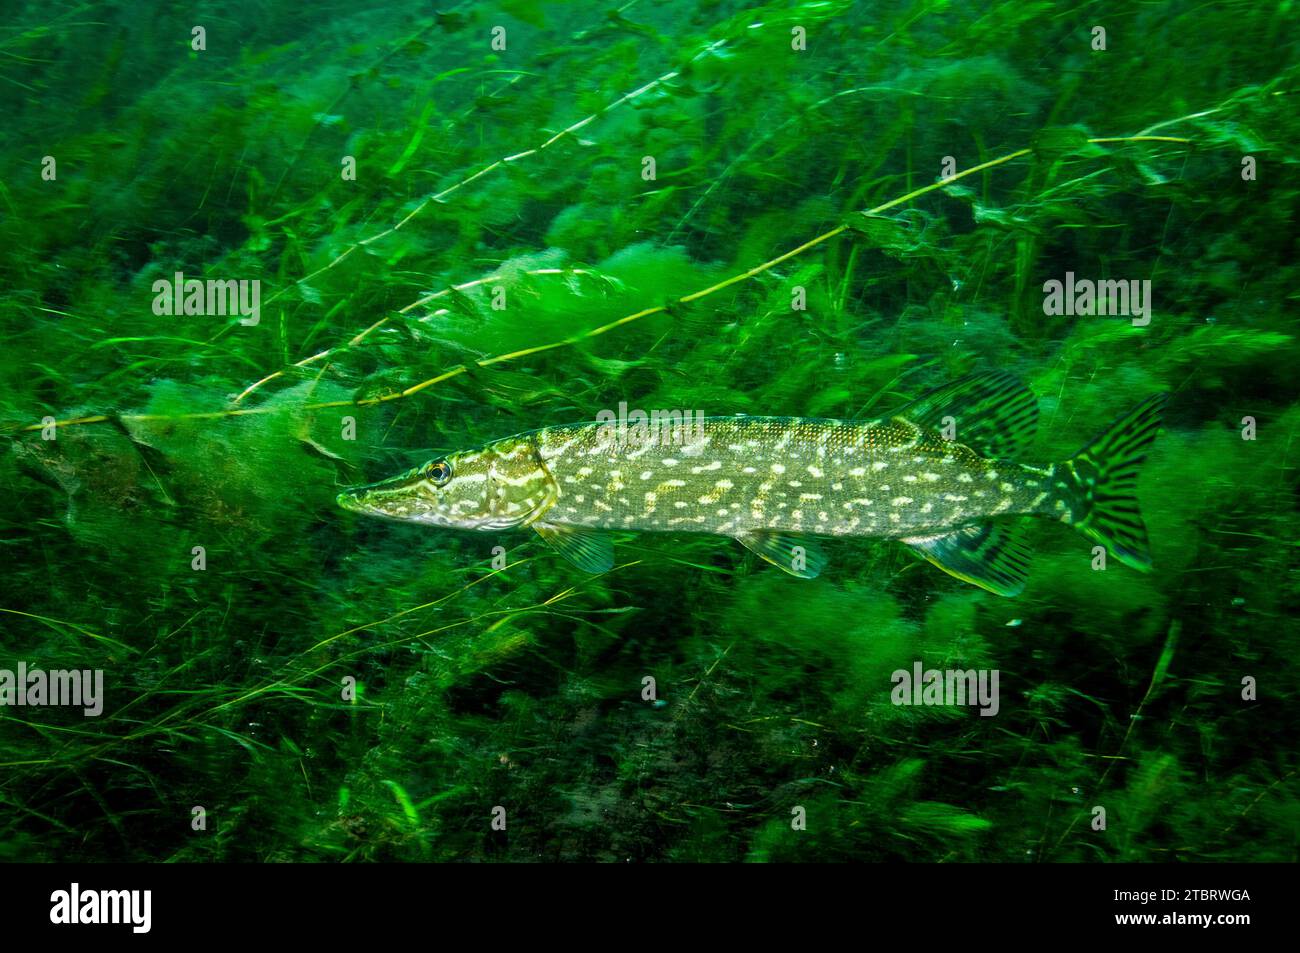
438	473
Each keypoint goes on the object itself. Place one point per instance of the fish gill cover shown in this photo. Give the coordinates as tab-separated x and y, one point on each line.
257	254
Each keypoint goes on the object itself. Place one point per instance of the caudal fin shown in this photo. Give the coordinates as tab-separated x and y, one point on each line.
1101	484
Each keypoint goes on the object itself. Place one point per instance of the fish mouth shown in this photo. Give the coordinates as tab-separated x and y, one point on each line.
358	500
375	501
350	501
397	499
392	498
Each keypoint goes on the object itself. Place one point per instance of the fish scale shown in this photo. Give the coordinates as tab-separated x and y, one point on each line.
789	474
937	474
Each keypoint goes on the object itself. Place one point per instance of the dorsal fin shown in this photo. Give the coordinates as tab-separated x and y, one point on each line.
995	414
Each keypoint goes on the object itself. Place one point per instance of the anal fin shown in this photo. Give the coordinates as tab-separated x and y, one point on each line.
992	556
797	555
590	550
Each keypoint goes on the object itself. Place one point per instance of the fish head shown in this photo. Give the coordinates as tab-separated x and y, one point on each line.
499	486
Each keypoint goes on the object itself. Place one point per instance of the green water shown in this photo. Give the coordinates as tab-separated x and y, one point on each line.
448	228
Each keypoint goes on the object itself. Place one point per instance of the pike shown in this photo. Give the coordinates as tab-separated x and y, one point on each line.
938	475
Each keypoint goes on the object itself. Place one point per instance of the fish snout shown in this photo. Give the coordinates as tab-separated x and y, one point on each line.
400	498
352	500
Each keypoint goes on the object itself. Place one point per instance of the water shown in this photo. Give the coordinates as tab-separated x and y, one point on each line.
252	264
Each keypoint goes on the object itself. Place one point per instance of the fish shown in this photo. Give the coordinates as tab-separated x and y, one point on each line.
939	475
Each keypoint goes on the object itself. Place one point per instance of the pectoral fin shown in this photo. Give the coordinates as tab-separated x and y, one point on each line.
797	555
590	550
992	556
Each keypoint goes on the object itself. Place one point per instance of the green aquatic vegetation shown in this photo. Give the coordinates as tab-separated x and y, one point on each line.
332	688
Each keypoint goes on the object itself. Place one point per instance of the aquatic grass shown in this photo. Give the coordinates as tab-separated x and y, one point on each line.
523	687
585	335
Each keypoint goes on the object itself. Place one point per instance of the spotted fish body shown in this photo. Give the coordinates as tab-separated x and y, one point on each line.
884	478
936	475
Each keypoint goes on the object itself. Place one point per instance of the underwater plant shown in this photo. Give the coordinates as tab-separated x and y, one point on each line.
307	249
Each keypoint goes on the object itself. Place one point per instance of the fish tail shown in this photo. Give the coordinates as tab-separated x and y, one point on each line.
1099	484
